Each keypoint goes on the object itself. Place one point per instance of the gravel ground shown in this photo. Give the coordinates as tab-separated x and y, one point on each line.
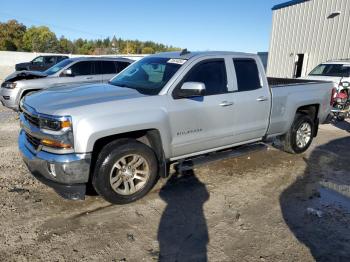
268	206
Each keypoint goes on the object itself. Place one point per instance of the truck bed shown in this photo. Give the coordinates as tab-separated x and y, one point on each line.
278	82
290	94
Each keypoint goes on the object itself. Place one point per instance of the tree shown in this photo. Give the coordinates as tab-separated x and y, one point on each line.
147	50
15	36
11	35
40	39
66	46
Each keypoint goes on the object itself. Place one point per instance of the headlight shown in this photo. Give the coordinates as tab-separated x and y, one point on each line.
58	133
55	125
9	85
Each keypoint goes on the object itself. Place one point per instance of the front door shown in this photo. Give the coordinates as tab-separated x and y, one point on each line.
83	73
206	122
37	64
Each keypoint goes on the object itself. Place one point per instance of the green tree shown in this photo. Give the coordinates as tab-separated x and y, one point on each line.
11	35
15	36
40	39
147	50
66	46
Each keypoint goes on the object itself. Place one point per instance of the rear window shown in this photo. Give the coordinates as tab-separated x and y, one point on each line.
82	68
121	66
247	74
337	70
108	67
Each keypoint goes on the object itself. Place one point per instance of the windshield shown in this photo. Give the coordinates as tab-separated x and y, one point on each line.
54	69
338	70
149	75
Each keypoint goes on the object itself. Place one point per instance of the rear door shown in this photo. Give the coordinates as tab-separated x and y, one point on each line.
111	68
252	100
108	70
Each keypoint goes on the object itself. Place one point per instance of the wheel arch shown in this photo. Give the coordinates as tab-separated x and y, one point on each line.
312	111
26	91
149	137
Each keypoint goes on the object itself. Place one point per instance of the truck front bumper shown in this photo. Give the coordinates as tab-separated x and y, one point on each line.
67	174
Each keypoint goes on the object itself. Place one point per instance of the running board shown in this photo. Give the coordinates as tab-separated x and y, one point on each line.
189	164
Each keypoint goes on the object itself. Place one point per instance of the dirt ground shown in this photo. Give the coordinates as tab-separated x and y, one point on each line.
268	206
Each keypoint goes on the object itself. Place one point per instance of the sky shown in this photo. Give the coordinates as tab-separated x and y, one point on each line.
225	25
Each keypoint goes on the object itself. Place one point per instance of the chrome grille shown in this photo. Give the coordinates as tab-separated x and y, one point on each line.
33	120
35	142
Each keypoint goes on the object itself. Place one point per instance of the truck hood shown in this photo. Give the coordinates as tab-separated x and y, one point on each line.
24	75
58	99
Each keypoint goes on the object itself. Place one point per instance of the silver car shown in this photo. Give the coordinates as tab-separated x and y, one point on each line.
72	71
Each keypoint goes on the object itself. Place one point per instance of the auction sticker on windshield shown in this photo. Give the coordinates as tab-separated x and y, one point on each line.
177	61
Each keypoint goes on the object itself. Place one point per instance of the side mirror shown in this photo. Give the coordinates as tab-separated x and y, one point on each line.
191	89
67	72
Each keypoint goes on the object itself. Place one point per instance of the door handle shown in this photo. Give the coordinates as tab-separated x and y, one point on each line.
262	98
88	78
226	103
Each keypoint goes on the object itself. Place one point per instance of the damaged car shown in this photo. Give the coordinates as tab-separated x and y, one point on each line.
69	72
40	63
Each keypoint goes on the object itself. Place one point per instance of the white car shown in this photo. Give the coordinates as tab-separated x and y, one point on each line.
337	72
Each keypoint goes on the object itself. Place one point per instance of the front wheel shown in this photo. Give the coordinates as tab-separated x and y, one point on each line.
300	136
125	171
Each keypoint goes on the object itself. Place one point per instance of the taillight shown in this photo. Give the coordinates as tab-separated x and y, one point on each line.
334	92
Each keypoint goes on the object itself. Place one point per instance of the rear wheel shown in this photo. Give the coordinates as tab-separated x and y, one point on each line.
300	136
125	171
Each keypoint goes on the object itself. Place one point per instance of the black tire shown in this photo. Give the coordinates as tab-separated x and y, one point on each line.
106	160
289	140
341	117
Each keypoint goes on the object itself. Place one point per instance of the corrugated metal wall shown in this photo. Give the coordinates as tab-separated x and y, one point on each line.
306	29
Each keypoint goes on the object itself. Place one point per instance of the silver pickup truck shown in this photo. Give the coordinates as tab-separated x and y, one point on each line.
169	107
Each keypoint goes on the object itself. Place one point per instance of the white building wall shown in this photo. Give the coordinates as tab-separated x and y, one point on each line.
305	29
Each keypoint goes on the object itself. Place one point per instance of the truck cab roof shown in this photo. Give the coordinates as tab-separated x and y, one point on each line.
189	55
89	58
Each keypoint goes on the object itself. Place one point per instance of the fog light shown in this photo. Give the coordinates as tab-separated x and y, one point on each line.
52	169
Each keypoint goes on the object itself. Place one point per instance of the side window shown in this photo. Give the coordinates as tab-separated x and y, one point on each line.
108	67
82	68
247	73
38	60
49	60
60	58
121	66
212	74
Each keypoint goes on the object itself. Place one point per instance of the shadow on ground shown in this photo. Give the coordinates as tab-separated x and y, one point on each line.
343	125
317	206
183	232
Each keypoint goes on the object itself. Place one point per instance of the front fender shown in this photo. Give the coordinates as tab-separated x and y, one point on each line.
88	131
